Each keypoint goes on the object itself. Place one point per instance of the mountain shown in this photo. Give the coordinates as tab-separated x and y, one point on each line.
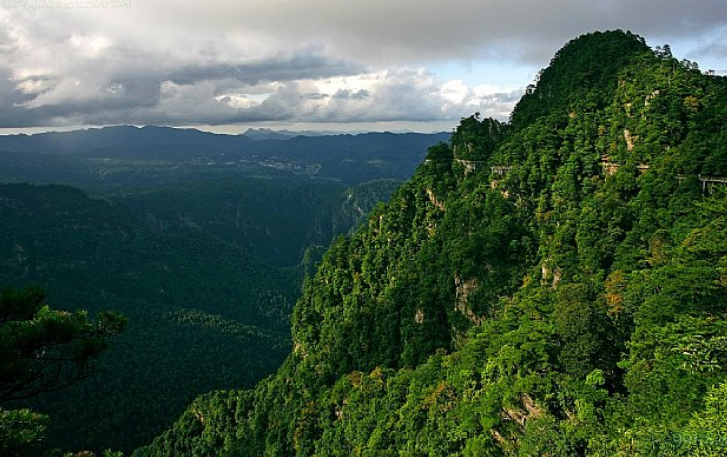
45	169
262	134
128	138
355	159
190	267
274	217
202	314
116	158
248	222
274	221
554	285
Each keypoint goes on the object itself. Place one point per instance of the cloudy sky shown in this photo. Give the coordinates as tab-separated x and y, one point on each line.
323	64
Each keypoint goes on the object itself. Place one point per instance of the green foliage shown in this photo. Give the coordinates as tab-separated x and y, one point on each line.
583	71
274	221
208	315
706	434
584	328
476	139
97	255
21	430
43	350
554	286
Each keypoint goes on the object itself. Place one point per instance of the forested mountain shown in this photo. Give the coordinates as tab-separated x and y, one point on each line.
201	313
274	220
153	157
199	242
554	285
261	134
272	197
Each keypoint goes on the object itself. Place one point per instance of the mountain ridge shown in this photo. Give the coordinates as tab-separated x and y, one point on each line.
103	157
537	303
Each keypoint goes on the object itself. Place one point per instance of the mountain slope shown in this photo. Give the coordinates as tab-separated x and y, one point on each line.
552	286
201	314
274	221
120	158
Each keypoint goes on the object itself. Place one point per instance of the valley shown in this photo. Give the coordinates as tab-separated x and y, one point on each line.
205	260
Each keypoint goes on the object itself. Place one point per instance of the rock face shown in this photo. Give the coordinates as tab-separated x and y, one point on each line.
463	289
433	198
629	140
419	316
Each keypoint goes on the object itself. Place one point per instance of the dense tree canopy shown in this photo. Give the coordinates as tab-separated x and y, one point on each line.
42	350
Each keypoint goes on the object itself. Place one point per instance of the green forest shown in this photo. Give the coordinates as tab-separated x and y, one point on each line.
551	285
206	277
200	241
180	339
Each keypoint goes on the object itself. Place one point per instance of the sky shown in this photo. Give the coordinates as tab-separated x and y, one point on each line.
345	65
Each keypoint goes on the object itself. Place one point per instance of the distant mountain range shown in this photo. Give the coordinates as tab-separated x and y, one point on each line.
93	157
94	139
262	134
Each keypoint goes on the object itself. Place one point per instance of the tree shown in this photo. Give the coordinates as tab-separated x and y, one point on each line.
43	350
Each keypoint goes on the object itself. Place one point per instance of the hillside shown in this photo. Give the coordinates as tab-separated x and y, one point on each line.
123	158
554	285
274	198
274	220
205	260
201	314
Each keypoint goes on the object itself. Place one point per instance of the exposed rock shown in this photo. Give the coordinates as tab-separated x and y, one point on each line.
546	272
419	316
463	288
534	411
520	416
557	273
629	140
651	97
299	349
435	202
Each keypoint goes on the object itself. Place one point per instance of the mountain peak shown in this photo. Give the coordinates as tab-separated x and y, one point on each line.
591	61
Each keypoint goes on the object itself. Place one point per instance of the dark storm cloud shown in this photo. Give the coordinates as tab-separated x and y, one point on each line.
425	30
215	62
9	98
296	67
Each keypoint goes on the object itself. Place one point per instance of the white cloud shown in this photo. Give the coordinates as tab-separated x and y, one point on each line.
455	91
214	62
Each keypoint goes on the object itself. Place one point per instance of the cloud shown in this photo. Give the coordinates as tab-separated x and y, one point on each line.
422	30
215	62
405	95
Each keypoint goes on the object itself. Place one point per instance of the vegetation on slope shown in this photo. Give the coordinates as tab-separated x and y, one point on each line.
553	286
274	221
201	314
204	314
43	350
